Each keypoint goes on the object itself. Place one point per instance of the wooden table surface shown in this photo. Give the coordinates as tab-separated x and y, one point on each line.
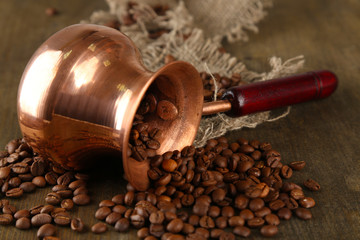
324	133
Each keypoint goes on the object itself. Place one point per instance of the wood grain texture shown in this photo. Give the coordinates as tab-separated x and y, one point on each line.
324	133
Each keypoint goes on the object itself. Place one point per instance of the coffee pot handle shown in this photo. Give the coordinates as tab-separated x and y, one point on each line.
276	93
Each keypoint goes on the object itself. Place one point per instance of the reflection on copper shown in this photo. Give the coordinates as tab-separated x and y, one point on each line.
80	91
210	108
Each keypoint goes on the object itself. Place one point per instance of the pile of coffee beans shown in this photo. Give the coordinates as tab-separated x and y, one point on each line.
22	171
198	193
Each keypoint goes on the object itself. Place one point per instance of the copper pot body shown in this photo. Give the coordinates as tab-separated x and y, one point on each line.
80	91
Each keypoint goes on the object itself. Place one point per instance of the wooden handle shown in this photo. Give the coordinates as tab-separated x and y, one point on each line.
267	95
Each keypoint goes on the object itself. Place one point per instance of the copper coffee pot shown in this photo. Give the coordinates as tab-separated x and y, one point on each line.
80	91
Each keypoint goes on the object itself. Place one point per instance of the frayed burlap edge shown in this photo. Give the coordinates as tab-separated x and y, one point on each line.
188	43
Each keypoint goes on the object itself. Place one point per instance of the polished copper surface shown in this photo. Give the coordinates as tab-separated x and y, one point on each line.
80	91
210	108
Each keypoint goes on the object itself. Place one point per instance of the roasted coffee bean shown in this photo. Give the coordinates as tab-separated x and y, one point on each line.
118	199
156	230
286	172
129	198
56	211
246	214
112	218
82	176
24	213
227	236
4	172
164	180
40	219
5	187
221	222
242	231
62	219
202	232
206	222
214	211
276	205
36	210
312	185
14	193
236	221
269	230
143	232
20	168
53	198
255	222
122	225
38	168
284	213
6	219
175	225
137	221
263	212
23	223
157	217
106	203
256	204
65	179
154	173
307	202
253	192
27	187
81	199
57	188
80	190
39	181
241	202
227	211
68	204
77	225
65	193
169	165
46	230
166	110
27	177
139	154
9	209
303	213
47	209
76	184
297	165
51	238
153	144
119	209
297	194
272	219
99	228
102	213
215	233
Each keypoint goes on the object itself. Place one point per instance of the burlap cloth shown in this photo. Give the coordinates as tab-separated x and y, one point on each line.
205	23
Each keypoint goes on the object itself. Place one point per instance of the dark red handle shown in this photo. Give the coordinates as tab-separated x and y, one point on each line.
267	95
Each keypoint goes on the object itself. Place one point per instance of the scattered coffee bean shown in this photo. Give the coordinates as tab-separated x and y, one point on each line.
46	230
269	230
122	225
77	225
303	213
81	199
312	185
40	219
23	223
99	228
